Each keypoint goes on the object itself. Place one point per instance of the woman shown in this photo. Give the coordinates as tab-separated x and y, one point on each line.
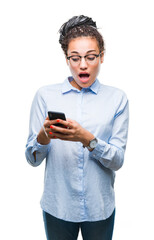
83	155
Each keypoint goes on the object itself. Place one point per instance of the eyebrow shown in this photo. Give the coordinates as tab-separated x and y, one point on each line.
87	51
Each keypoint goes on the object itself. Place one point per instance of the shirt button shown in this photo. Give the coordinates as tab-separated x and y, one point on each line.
94	155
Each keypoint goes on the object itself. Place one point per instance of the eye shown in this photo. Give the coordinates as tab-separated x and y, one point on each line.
91	57
75	58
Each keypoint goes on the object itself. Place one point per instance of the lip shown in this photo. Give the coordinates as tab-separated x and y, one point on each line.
84	73
84	76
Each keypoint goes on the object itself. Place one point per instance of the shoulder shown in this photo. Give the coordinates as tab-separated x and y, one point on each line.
44	92
114	96
112	92
47	90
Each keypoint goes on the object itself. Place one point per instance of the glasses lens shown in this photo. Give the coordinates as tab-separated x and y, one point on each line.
75	59
91	59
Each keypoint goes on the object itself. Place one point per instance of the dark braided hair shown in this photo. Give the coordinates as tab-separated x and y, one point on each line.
79	26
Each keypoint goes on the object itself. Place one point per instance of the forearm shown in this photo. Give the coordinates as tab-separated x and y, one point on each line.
36	153
41	139
86	137
110	153
38	145
110	156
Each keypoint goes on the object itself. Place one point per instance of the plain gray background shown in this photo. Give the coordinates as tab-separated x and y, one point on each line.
30	57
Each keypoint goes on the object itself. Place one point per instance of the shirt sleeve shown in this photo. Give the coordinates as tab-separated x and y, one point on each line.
111	154
37	117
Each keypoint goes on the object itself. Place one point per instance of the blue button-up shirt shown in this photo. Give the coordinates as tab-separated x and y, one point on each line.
78	184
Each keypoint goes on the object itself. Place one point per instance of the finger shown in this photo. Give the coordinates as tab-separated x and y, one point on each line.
51	135
62	136
45	131
65	123
70	120
61	130
48	132
65	129
48	123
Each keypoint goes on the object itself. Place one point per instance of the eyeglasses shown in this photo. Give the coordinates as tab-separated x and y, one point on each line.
90	58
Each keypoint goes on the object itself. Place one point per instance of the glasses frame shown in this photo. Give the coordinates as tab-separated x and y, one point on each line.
96	55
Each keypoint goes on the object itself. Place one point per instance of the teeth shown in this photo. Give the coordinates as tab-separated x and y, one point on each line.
84	75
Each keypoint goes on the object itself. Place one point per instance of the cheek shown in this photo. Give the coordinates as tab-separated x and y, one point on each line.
73	70
96	69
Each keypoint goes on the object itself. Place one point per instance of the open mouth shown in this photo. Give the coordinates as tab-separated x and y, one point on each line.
84	77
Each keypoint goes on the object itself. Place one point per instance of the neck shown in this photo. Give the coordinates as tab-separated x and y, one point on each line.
74	84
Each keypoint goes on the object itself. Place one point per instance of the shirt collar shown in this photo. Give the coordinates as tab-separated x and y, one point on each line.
67	87
95	86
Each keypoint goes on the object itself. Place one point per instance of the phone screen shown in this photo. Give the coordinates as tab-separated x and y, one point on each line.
56	115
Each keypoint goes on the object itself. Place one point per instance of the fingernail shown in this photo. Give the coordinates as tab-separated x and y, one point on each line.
51	126
50	132
55	137
58	120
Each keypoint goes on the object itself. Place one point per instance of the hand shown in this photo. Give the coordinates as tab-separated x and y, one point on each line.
45	134
72	131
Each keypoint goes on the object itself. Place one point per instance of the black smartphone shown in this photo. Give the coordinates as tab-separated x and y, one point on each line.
56	115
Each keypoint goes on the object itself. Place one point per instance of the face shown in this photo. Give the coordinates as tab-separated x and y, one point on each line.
84	72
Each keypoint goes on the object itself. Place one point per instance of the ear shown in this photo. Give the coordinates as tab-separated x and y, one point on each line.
102	57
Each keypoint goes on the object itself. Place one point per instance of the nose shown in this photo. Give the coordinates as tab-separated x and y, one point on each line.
83	63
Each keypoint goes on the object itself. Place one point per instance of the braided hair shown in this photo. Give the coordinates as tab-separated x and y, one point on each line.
79	26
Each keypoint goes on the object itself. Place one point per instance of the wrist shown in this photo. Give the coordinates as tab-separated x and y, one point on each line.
92	144
87	137
42	138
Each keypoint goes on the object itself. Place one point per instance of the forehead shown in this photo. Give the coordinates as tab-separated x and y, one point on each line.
82	45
